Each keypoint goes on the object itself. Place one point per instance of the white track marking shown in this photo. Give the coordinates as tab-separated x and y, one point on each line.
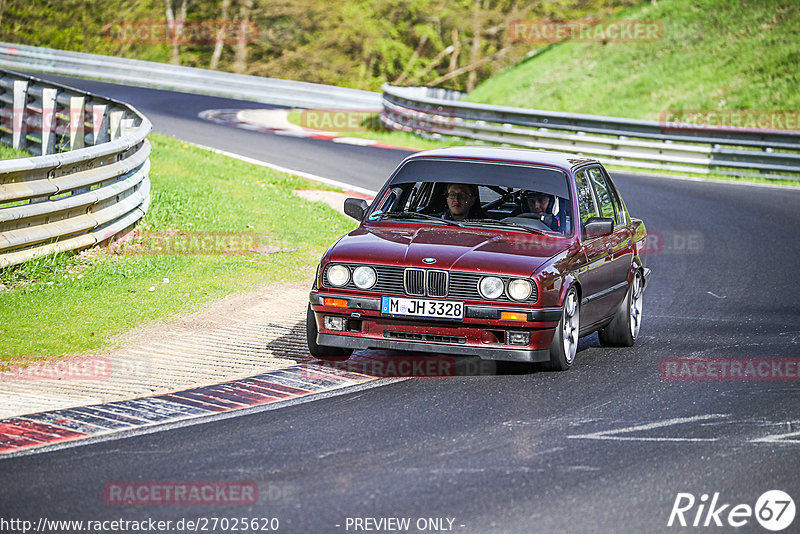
314	177
611	434
778	438
354	141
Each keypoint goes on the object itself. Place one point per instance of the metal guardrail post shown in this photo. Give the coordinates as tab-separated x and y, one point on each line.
76	121
100	133
19	126
48	120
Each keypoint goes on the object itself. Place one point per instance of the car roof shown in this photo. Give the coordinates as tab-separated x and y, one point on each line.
561	160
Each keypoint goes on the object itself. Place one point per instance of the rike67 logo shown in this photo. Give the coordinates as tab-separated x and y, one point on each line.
774	510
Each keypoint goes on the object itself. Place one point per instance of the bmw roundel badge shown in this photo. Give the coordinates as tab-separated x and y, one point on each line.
428	261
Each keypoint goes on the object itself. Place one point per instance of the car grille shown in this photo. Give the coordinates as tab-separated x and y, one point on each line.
437	283
413	282
431	338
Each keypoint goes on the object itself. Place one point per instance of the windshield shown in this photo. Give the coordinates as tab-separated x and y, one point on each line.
491	195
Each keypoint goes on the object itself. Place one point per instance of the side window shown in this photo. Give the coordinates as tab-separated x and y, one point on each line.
621	215
417	197
585	200
604	196
487	195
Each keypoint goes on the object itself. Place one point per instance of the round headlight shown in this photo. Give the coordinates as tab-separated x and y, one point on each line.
364	277
338	275
519	289
491	287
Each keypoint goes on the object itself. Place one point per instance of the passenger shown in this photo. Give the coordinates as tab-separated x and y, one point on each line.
462	202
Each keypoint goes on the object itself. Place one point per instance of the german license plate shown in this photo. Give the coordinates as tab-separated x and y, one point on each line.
422	308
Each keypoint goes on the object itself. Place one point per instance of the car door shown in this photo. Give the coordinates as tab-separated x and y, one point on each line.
619	253
596	274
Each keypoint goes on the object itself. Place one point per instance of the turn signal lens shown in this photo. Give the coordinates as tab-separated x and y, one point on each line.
513	316
336	303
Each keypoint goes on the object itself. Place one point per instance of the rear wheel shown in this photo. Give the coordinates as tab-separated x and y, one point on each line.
565	340
623	329
322	352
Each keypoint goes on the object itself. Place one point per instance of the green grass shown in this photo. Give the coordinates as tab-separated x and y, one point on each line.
714	55
68	303
6	152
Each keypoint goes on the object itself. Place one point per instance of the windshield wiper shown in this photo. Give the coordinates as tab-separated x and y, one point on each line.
490	222
415	215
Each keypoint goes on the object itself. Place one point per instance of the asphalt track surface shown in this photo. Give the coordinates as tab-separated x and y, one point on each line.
604	447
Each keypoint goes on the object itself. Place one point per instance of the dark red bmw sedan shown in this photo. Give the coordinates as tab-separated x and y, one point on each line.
505	254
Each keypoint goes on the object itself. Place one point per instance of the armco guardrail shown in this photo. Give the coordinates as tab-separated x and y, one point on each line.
89	179
631	142
187	79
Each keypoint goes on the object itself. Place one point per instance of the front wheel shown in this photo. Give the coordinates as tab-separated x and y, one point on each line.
322	352
623	329
565	340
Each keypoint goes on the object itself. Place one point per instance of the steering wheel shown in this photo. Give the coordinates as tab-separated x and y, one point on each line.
545	218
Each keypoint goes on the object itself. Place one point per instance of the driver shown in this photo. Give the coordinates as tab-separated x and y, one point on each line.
460	199
538	203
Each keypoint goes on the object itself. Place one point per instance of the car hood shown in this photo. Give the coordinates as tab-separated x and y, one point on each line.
457	248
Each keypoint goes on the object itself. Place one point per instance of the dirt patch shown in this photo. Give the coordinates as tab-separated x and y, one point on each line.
331	198
235	337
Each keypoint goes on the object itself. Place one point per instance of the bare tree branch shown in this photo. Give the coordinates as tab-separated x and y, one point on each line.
412	60
472	67
240	56
226	4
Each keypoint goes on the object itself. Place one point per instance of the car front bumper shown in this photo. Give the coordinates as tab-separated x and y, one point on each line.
481	333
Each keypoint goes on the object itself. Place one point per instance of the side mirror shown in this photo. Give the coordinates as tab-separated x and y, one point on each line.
356	208
598	226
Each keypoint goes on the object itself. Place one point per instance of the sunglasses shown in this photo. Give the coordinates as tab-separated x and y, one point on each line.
460	196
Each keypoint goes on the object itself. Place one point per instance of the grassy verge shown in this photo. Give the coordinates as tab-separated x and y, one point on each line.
6	152
70	303
713	55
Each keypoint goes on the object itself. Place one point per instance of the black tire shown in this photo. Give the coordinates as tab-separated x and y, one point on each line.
565	340
623	329
322	352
